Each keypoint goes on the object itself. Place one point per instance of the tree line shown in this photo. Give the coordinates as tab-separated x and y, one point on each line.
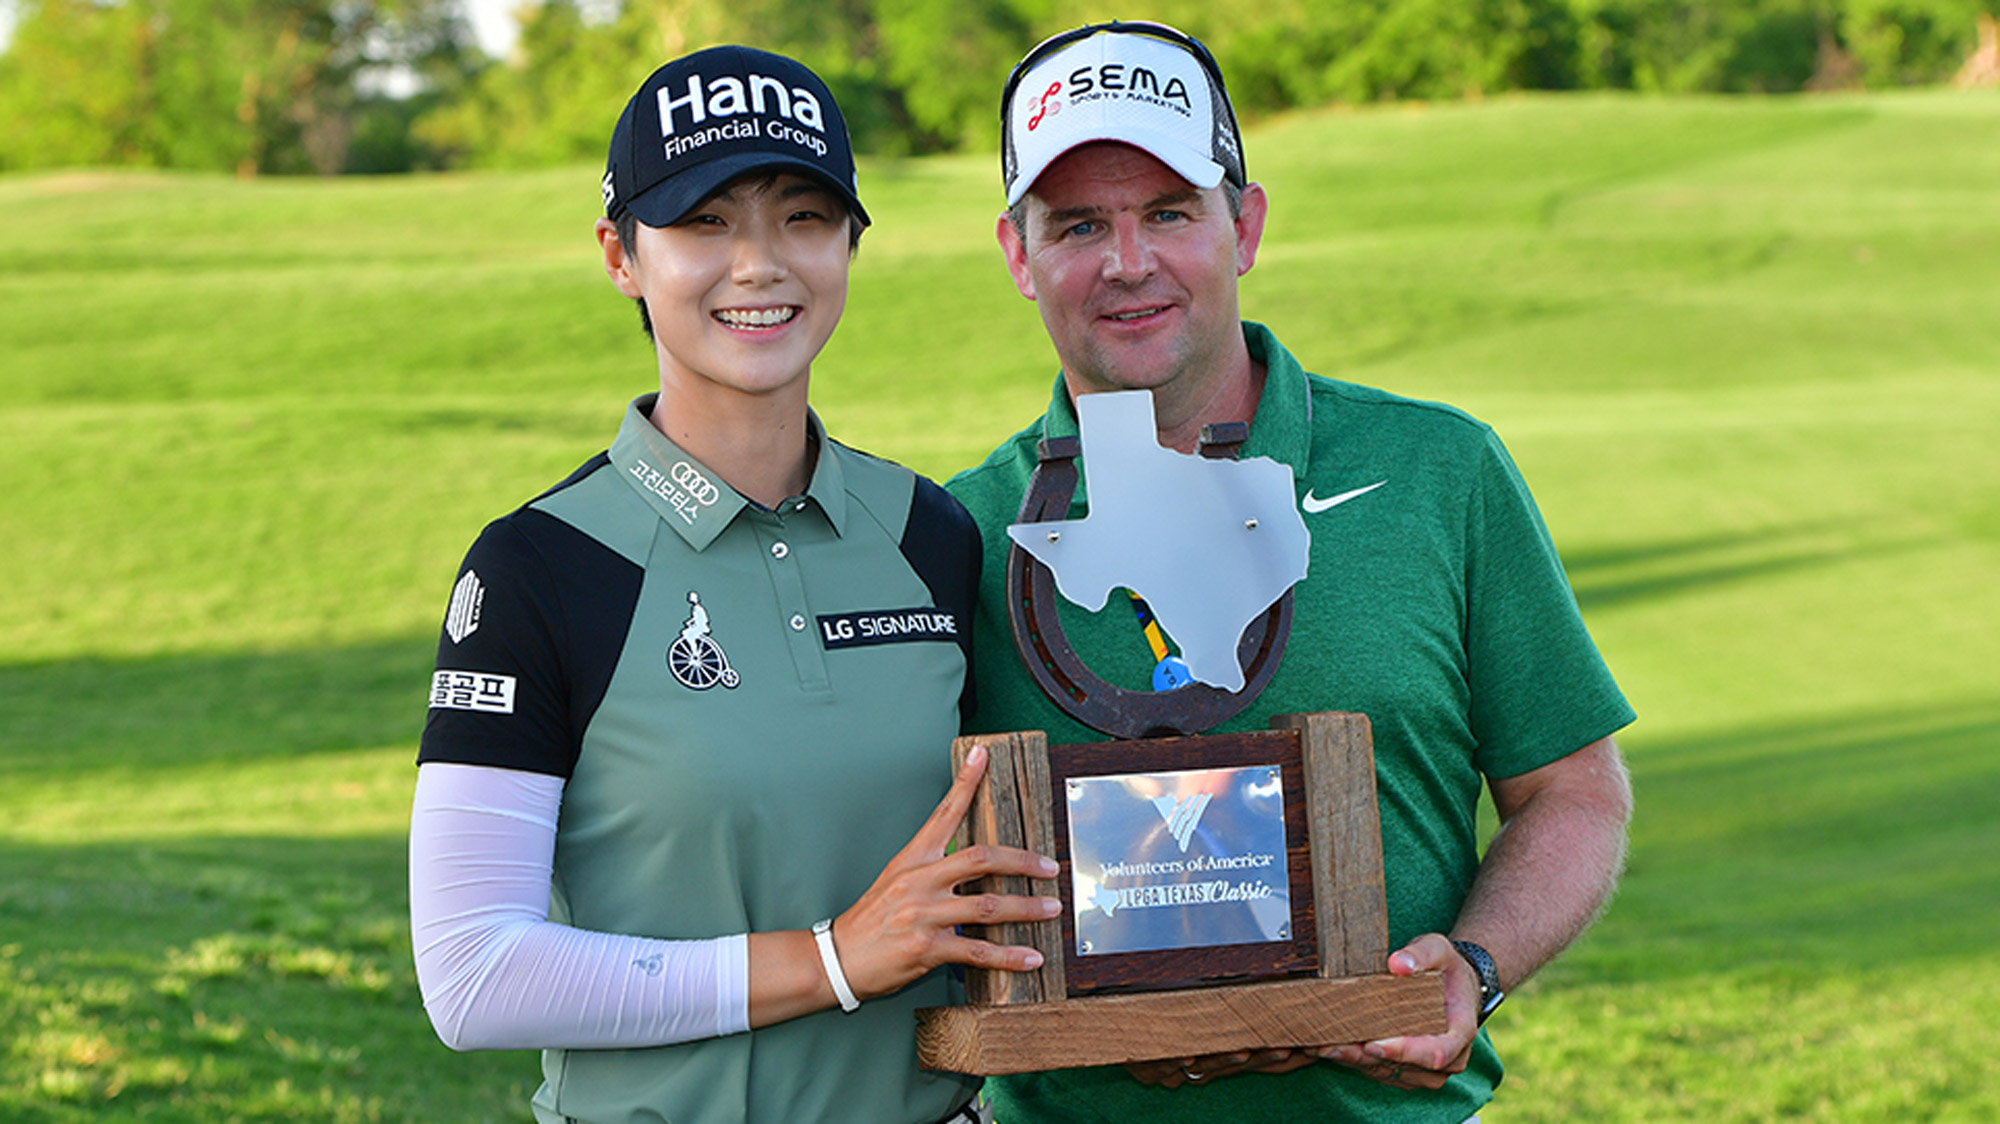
332	86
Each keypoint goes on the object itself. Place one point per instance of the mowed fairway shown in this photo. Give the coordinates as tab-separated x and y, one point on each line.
1747	352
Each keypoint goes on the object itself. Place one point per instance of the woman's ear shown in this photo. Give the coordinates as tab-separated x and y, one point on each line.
618	259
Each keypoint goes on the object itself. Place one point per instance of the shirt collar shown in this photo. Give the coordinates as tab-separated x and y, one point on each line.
693	499
1281	429
828	489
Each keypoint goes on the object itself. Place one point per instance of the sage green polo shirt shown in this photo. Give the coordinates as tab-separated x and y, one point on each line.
1434	603
753	710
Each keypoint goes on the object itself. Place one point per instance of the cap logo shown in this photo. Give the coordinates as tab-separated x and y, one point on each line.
726	97
1048	103
1088	83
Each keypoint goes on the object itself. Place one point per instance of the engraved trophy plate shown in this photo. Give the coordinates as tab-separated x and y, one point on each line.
1176	860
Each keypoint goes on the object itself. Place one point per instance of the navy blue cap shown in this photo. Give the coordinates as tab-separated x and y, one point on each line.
705	119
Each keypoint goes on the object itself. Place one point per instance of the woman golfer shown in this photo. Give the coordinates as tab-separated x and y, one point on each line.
692	705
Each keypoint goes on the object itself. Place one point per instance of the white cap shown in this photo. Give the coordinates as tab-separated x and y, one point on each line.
1134	87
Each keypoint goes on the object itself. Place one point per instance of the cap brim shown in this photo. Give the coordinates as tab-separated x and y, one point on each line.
671	200
1191	165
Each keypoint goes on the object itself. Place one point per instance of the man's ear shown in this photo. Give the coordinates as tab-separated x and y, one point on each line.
1016	254
617	263
1250	226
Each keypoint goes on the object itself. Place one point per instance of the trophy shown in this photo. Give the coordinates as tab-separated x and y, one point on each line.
1221	892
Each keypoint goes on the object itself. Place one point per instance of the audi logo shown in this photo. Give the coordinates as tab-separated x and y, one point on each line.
697	485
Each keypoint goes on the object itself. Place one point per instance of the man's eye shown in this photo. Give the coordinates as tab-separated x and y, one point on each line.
1169	216
808	216
1082	229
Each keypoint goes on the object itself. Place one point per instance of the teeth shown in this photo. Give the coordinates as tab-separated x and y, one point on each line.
1134	315
755	317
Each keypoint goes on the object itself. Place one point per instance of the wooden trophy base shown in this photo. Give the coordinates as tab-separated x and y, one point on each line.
1021	1022
1115	1029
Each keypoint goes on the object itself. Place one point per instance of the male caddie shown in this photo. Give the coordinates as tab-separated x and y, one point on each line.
1435	603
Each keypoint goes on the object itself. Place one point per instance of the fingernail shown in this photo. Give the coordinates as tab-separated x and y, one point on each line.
1051	906
975	755
1374	1051
1048	868
1404	960
1034	960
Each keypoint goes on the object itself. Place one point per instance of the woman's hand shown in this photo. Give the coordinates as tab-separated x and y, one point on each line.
906	924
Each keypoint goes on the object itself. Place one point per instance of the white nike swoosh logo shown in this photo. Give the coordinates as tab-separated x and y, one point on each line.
1315	506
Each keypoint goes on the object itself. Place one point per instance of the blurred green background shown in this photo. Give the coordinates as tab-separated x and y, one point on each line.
1744	349
328	86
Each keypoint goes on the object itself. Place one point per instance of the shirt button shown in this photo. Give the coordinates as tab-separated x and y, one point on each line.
798	623
779	550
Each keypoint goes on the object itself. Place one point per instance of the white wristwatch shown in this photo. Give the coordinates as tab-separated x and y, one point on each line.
830	960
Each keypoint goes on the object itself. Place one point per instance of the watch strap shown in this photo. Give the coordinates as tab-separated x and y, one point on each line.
1488	975
830	960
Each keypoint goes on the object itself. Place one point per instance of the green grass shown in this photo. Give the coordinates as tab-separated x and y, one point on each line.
1744	350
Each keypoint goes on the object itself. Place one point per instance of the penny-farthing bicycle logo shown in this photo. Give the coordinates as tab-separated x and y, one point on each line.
695	658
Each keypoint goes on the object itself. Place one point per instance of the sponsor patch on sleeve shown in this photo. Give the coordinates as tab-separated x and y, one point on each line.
472	690
886	626
462	619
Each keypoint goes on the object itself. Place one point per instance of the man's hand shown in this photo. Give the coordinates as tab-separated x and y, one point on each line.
1423	1062
1407	1063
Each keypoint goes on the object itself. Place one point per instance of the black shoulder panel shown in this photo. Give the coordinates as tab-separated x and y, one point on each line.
941	543
552	611
583	470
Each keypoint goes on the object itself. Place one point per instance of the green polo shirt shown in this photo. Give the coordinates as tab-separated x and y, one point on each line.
1434	603
752	709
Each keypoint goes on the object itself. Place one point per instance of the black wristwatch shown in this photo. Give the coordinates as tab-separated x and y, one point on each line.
1490	994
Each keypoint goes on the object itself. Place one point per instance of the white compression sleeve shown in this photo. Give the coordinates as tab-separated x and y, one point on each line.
497	974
